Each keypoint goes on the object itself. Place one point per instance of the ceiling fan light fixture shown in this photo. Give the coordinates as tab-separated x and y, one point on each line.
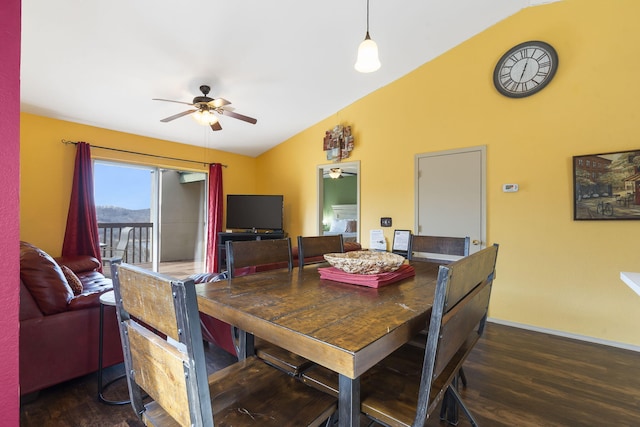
368	60
205	117
335	173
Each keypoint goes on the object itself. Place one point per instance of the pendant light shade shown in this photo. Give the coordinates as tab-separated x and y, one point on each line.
367	61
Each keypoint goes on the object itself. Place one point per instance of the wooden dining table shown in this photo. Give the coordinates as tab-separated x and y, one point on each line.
346	328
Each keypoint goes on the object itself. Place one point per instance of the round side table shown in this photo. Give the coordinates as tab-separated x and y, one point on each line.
107	298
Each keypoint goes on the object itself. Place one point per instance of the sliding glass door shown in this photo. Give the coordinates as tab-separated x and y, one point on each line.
157	215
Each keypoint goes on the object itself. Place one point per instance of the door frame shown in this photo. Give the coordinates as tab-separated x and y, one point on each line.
483	185
320	170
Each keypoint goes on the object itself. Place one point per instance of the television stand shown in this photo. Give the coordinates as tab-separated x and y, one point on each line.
224	237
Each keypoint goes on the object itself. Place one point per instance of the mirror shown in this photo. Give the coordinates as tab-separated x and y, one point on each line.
339	200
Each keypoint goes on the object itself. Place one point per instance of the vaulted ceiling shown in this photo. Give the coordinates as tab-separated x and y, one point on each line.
288	63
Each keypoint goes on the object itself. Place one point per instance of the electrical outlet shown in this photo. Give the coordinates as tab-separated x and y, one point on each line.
385	221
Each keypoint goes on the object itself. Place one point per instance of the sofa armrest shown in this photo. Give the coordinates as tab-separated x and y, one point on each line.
79	263
28	307
63	346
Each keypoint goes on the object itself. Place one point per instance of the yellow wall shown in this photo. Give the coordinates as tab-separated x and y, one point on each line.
553	272
46	170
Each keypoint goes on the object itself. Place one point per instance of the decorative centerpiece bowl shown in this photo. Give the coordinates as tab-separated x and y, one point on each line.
365	262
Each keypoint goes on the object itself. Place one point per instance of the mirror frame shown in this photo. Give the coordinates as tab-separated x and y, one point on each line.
320	172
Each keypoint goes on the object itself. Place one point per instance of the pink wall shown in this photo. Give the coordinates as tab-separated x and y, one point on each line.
9	209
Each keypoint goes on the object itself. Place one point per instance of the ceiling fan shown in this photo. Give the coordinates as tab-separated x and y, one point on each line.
336	173
204	110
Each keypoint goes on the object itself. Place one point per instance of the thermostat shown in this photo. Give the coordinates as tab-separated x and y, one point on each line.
509	188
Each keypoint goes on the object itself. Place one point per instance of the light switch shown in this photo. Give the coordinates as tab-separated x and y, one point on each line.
385	222
509	188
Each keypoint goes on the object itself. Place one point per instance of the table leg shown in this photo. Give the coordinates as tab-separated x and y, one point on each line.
348	402
102	387
244	343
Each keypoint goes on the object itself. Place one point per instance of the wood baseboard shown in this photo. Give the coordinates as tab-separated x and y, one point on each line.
565	334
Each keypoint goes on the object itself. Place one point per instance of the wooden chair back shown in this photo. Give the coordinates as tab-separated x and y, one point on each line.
311	247
162	344
251	253
436	246
458	317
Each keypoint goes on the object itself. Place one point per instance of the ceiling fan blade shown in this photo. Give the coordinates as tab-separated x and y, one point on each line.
239	116
219	102
170	100
177	116
216	126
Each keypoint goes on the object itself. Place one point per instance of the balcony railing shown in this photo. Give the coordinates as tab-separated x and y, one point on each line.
139	245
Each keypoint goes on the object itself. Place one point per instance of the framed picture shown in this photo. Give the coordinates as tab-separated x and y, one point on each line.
606	186
401	242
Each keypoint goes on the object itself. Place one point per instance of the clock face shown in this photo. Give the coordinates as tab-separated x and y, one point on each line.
525	69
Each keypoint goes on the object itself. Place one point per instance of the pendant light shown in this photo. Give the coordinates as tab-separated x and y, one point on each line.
367	61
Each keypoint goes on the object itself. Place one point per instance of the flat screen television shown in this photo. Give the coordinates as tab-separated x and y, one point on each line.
253	212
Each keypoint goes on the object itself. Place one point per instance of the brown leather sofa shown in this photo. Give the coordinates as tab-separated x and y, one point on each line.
218	332
59	326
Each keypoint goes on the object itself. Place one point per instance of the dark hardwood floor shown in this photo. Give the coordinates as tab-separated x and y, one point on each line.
516	378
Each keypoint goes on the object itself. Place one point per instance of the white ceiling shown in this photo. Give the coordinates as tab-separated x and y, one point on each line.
288	63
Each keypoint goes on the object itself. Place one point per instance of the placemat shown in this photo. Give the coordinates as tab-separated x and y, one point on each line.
370	280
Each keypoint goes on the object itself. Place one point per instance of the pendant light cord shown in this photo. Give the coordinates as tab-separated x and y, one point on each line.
367	18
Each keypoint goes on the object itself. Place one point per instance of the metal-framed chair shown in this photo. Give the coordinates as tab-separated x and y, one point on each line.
164	358
436	246
310	248
117	252
249	254
406	387
438	249
244	257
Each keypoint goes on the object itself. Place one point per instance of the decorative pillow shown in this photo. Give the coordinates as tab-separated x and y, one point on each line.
352	226
338	226
74	282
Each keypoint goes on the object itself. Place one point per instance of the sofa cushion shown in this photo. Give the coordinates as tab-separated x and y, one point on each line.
74	283
79	263
44	279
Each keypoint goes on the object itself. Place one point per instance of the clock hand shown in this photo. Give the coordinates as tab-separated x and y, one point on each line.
523	70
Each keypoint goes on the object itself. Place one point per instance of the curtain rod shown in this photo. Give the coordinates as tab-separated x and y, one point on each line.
64	141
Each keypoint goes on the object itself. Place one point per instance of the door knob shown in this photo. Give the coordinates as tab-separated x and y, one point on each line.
476	242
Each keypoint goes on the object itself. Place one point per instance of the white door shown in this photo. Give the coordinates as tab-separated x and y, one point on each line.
451	194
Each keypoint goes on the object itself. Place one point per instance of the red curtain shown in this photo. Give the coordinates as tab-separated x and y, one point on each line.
81	236
215	216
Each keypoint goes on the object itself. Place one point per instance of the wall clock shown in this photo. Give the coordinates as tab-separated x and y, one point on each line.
525	69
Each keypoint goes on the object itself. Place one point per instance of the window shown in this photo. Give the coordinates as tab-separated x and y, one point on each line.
165	207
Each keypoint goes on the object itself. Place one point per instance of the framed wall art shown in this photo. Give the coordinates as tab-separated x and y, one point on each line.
606	186
338	143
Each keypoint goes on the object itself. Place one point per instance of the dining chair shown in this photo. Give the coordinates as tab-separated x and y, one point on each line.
246	257
406	387
439	249
312	248
437	246
164	359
